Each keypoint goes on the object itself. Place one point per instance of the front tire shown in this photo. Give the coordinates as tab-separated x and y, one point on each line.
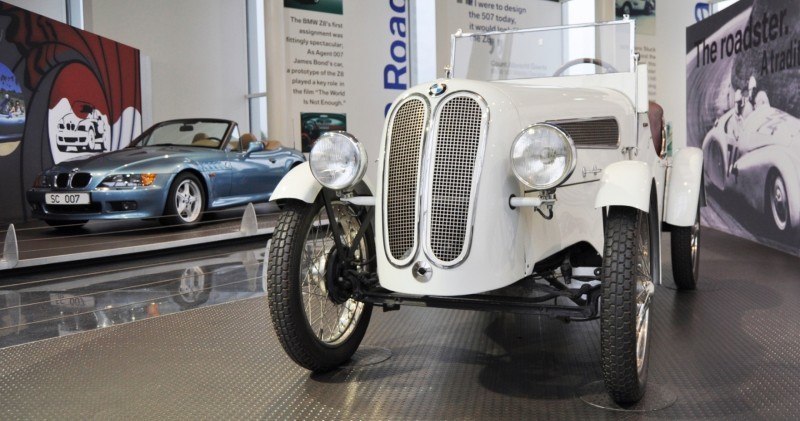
315	332
185	201
628	262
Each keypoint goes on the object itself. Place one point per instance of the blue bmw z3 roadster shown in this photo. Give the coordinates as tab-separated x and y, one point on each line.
175	170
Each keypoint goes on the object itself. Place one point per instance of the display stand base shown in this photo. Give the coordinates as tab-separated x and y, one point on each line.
656	397
368	355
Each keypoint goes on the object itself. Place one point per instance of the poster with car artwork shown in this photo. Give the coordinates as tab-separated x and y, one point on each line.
64	93
743	76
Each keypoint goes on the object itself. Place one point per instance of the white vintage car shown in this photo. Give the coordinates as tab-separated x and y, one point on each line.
527	181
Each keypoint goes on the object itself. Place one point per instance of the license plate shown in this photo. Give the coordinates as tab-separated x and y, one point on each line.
71	301
67	198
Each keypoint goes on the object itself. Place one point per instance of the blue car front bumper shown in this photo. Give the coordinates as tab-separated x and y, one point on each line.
138	203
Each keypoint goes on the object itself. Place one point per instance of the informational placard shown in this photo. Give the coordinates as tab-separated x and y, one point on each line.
489	15
743	75
644	12
343	64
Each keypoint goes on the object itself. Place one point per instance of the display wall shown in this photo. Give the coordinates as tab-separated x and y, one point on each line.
197	50
743	76
59	83
335	65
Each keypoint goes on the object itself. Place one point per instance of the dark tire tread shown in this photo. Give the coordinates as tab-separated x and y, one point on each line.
682	268
618	313
284	295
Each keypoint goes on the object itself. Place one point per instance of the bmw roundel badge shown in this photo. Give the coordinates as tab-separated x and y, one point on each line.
437	89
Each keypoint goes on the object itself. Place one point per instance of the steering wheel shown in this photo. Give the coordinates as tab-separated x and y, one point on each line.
585	60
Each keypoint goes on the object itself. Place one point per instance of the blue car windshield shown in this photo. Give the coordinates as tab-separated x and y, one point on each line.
204	134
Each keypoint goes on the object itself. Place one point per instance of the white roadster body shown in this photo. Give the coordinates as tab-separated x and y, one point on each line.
537	170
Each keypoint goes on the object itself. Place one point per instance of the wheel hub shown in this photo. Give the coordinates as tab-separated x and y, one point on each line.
335	281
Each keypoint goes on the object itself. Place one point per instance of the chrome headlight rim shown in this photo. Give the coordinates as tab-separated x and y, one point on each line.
571	164
360	155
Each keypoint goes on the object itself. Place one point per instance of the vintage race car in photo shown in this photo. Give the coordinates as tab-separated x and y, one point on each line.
75	134
176	170
533	179
757	158
627	7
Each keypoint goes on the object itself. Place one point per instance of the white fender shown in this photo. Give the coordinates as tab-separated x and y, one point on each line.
300	184
683	187
625	183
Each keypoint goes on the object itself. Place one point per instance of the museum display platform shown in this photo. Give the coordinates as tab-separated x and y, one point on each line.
729	350
34	243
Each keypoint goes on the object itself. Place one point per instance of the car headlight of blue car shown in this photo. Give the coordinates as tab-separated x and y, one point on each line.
126	181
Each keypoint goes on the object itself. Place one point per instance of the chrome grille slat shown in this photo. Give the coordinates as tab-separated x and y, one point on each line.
403	167
457	143
600	132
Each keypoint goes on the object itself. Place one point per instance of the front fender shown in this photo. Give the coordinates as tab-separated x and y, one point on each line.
683	187
300	184
625	183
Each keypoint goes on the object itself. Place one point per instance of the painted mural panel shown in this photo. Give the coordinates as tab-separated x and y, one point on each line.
64	93
743	75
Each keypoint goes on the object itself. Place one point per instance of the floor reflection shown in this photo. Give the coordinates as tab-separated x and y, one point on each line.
34	310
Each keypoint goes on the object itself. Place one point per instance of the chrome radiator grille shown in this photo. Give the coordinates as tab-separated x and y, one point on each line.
600	132
403	167
457	142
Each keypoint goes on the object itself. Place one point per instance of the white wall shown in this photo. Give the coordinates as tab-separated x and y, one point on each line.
672	18
197	49
53	9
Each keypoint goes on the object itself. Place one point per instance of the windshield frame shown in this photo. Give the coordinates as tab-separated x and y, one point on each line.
231	125
632	64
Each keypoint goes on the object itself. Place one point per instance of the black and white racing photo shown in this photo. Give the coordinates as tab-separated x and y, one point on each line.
743	72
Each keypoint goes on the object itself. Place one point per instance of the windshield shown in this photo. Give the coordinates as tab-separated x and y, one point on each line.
534	53
197	133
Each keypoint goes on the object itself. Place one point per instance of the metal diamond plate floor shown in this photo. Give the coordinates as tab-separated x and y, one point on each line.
728	351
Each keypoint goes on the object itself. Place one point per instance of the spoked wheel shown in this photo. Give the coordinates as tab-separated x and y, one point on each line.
685	245
185	201
630	257
317	323
778	203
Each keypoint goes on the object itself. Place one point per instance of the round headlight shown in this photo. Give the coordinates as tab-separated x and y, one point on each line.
543	156
338	160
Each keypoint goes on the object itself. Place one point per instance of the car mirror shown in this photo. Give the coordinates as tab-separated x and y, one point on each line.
254	146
